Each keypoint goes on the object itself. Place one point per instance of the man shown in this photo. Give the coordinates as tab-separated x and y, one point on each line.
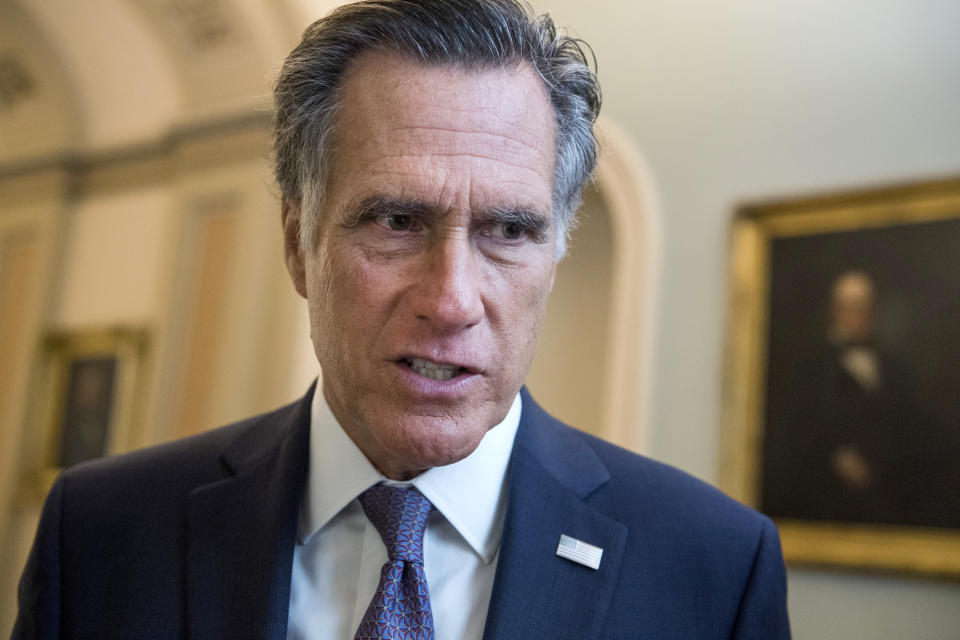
431	156
852	444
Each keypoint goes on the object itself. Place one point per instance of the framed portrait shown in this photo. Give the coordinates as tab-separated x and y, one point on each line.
87	398
842	382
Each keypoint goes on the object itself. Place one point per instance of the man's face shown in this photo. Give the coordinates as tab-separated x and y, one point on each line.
852	307
434	258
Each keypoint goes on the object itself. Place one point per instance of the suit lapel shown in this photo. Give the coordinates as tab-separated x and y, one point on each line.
537	593
242	530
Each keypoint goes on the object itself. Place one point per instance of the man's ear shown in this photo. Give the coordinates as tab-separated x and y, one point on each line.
292	251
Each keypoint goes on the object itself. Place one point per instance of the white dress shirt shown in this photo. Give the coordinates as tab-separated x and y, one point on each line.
339	553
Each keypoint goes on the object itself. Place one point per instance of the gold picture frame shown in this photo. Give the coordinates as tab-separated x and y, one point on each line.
87	399
857	469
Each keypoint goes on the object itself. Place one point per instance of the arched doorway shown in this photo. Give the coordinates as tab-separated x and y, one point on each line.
594	357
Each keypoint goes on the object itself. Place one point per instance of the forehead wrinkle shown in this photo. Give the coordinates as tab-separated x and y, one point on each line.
499	115
509	133
462	154
446	141
411	179
514	139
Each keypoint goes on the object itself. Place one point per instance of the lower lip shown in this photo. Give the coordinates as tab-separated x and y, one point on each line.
423	385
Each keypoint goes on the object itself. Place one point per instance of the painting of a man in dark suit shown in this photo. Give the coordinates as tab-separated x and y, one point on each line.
851	399
856	428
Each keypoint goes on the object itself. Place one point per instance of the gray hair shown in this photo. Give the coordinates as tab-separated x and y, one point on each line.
471	34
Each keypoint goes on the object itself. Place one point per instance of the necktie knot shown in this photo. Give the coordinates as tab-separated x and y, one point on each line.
400	516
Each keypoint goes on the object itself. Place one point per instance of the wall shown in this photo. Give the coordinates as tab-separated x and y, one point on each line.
569	372
733	101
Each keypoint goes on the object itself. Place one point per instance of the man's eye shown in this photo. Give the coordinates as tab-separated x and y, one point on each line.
397	222
510	230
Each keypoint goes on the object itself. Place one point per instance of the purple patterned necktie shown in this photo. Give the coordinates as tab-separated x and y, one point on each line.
400	609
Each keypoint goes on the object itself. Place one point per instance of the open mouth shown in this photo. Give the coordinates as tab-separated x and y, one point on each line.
434	371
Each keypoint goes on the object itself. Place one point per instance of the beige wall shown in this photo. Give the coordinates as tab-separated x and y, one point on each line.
113	264
570	370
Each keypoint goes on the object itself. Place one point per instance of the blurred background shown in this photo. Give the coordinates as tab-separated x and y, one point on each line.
136	199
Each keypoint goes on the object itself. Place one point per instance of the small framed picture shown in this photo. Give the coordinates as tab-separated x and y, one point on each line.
88	397
842	389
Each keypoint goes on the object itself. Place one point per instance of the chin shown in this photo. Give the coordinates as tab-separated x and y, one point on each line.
422	444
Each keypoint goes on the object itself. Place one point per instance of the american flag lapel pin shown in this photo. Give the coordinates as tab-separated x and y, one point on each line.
579	551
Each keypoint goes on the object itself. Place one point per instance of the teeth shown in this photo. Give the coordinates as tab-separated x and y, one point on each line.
439	372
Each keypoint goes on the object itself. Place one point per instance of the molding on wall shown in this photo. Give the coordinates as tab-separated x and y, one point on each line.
36	186
187	147
627	187
37	227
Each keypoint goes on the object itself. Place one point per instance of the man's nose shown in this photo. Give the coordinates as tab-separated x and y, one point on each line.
449	294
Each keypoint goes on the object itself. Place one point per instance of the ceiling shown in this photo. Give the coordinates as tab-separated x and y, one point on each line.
102	75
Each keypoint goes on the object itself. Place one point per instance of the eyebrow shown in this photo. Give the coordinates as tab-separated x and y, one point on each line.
535	223
377	206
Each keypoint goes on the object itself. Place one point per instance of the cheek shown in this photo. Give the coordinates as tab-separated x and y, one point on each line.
329	302
349	301
525	303
537	290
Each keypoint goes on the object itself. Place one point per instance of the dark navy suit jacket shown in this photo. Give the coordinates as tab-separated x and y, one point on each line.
194	539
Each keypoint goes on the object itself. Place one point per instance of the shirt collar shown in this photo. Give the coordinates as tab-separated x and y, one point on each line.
470	493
